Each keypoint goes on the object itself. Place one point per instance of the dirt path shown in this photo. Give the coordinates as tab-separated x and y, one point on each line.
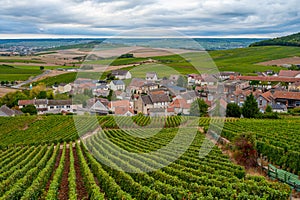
64	187
53	172
80	188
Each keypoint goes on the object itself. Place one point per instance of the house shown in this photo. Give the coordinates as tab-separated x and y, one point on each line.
145	102
121	74
40	104
7	112
98	108
189	96
226	75
117	85
101	90
174	78
263	100
124	111
59	106
194	79
63	88
290	99
147	87
180	106
295	87
120	103
151	76
175	90
289	73
135	85
280	108
238	96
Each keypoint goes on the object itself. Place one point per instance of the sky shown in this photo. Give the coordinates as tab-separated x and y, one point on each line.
106	18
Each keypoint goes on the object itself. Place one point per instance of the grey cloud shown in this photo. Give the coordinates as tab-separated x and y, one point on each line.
192	17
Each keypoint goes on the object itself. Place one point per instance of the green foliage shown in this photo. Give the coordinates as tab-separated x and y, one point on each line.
42	95
11	99
31	109
182	81
233	110
250	107
269	109
290	40
199	108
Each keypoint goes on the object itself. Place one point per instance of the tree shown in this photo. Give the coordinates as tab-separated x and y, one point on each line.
42	95
199	108
42	67
250	108
268	109
31	109
233	110
11	99
182	81
245	149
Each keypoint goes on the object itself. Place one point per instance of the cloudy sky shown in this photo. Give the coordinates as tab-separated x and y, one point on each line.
98	18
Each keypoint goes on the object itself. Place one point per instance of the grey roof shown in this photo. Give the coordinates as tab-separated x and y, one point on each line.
59	102
40	101
137	82
156	98
6	111
176	88
188	95
118	82
278	106
151	74
146	99
98	106
119	72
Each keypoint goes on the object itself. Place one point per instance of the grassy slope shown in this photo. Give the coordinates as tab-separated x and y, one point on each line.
11	73
244	60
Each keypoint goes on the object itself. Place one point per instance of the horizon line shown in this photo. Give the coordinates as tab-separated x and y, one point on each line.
49	36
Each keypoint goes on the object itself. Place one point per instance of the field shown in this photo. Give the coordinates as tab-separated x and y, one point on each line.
245	60
12	73
37	164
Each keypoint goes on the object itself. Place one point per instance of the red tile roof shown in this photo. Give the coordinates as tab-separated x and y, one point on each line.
267	95
25	102
288	73
268	78
120	103
286	95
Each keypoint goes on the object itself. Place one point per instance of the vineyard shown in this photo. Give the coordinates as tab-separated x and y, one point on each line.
49	161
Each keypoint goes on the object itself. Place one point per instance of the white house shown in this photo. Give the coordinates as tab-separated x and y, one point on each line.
151	76
117	85
121	74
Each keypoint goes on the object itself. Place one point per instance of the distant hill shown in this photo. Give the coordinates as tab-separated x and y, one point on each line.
290	40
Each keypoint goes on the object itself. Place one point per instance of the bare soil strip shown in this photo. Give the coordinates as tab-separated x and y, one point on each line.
80	188
64	187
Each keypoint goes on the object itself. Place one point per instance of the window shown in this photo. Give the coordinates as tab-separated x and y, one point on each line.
68	106
51	107
260	102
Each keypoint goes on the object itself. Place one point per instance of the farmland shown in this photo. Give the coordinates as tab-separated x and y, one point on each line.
36	168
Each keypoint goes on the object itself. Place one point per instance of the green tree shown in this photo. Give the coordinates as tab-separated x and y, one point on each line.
42	95
182	81
268	109
199	108
31	109
42	67
11	99
250	108
233	110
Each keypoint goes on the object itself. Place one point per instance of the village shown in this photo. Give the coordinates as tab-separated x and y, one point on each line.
168	96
